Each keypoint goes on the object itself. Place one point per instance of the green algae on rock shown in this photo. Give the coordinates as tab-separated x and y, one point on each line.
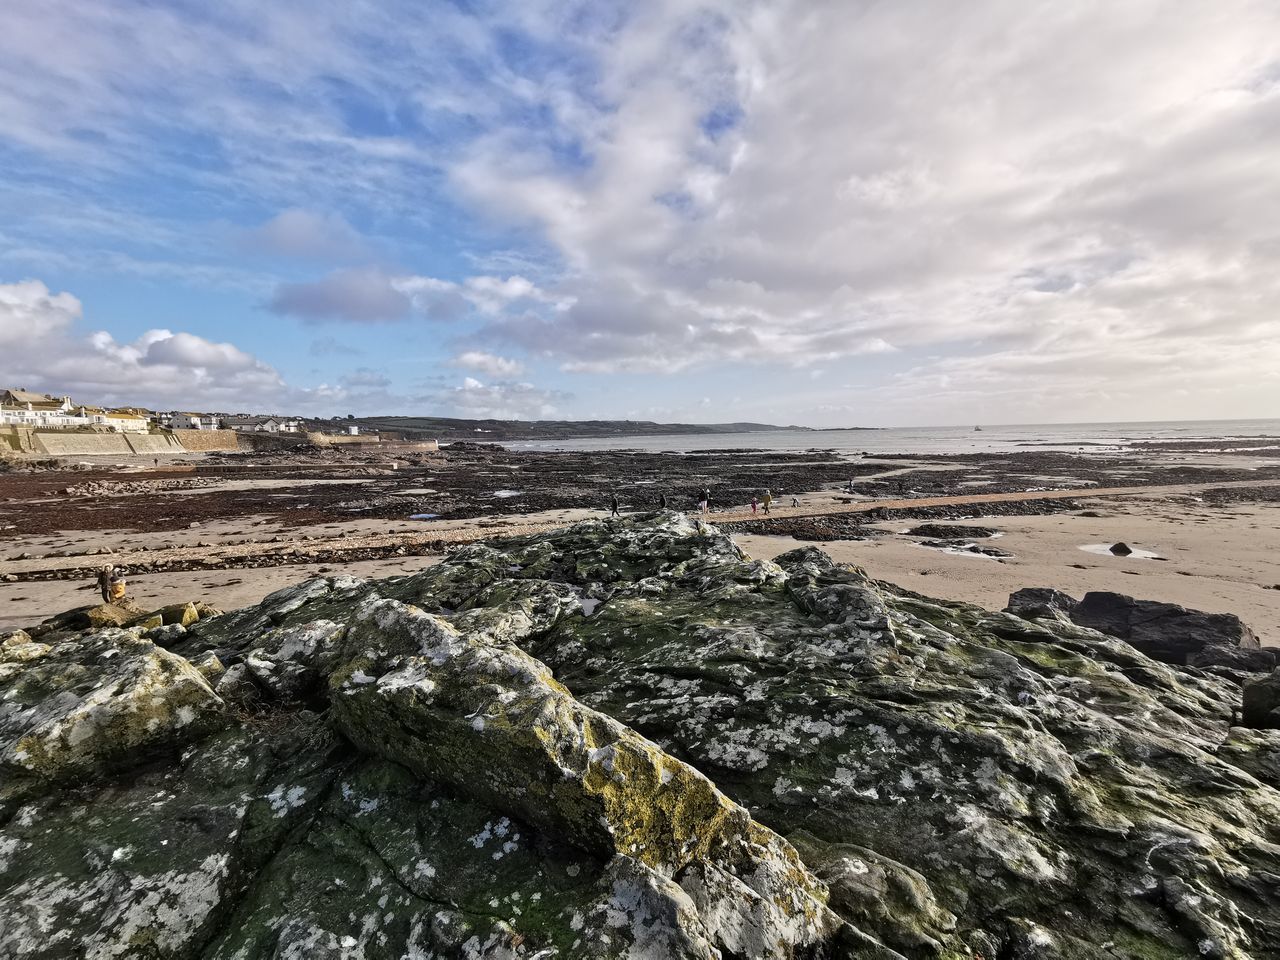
592	743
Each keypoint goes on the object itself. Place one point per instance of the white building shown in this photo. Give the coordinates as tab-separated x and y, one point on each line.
194	421
36	410
117	421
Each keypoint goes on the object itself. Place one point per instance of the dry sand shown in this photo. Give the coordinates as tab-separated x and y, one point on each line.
1220	560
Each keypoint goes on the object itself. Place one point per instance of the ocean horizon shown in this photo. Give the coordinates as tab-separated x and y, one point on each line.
977	438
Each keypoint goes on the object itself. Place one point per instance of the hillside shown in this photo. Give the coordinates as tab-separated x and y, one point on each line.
446	428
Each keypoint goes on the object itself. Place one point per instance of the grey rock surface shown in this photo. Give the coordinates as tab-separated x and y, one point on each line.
628	739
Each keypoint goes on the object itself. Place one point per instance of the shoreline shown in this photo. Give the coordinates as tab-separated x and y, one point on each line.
231	529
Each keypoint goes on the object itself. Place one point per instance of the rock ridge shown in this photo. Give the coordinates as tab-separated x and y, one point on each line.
627	739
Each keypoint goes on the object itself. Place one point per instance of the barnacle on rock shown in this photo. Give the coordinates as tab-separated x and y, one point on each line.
627	739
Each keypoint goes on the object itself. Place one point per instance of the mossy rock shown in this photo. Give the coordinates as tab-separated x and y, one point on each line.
590	743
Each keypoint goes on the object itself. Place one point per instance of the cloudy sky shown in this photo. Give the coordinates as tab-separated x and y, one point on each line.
828	213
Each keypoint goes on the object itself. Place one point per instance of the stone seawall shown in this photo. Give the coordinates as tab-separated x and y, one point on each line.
16	440
67	444
143	443
208	440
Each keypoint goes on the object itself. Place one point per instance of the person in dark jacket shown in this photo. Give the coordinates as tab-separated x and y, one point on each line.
613	507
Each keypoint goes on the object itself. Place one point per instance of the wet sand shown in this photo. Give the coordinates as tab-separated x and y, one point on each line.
230	539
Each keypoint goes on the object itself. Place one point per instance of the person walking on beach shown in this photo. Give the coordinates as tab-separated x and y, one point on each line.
613	507
662	501
754	503
795	502
768	501
705	503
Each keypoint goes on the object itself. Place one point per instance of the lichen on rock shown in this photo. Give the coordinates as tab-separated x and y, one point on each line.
628	739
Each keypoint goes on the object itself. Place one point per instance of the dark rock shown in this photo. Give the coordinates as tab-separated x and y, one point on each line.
1249	659
1261	702
1164	631
944	531
1033	602
1121	549
966	546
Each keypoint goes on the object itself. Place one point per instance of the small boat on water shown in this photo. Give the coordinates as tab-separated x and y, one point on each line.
977	429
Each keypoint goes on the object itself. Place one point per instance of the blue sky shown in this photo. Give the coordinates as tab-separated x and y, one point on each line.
818	213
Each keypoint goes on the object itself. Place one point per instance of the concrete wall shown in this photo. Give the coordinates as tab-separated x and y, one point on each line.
205	440
16	439
154	443
63	443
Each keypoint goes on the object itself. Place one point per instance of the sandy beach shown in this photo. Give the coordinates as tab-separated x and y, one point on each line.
1212	521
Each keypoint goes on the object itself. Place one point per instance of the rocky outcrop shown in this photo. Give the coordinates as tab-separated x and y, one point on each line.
627	739
1164	631
1261	707
1033	602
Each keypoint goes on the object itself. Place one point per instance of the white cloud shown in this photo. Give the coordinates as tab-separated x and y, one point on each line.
505	400
488	363
29	313
374	294
358	295
787	183
308	235
1008	181
161	368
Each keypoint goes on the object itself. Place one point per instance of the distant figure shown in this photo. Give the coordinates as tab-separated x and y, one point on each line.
754	504
662	501
111	584
795	502
156	461
848	487
768	501
613	506
705	503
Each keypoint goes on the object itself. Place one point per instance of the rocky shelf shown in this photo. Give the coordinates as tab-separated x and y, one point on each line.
628	739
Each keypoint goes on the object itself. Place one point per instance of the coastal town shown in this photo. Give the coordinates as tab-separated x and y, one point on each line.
35	426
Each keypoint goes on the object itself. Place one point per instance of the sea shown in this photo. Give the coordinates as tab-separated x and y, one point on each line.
974	438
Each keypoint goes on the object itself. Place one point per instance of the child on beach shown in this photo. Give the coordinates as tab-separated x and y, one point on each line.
754	503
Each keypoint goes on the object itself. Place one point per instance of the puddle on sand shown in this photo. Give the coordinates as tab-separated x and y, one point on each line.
424	516
1104	550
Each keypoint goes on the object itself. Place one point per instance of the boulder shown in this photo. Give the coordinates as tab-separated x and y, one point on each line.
1121	549
1164	631
104	699
166	635
1033	602
1261	702
182	614
1248	659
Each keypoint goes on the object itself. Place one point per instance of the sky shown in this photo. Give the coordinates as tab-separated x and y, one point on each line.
856	212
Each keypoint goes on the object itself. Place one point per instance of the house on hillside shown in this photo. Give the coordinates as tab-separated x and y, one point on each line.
194	421
38	410
244	424
126	421
113	420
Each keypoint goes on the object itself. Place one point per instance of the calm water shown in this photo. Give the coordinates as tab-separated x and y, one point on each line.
1091	437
